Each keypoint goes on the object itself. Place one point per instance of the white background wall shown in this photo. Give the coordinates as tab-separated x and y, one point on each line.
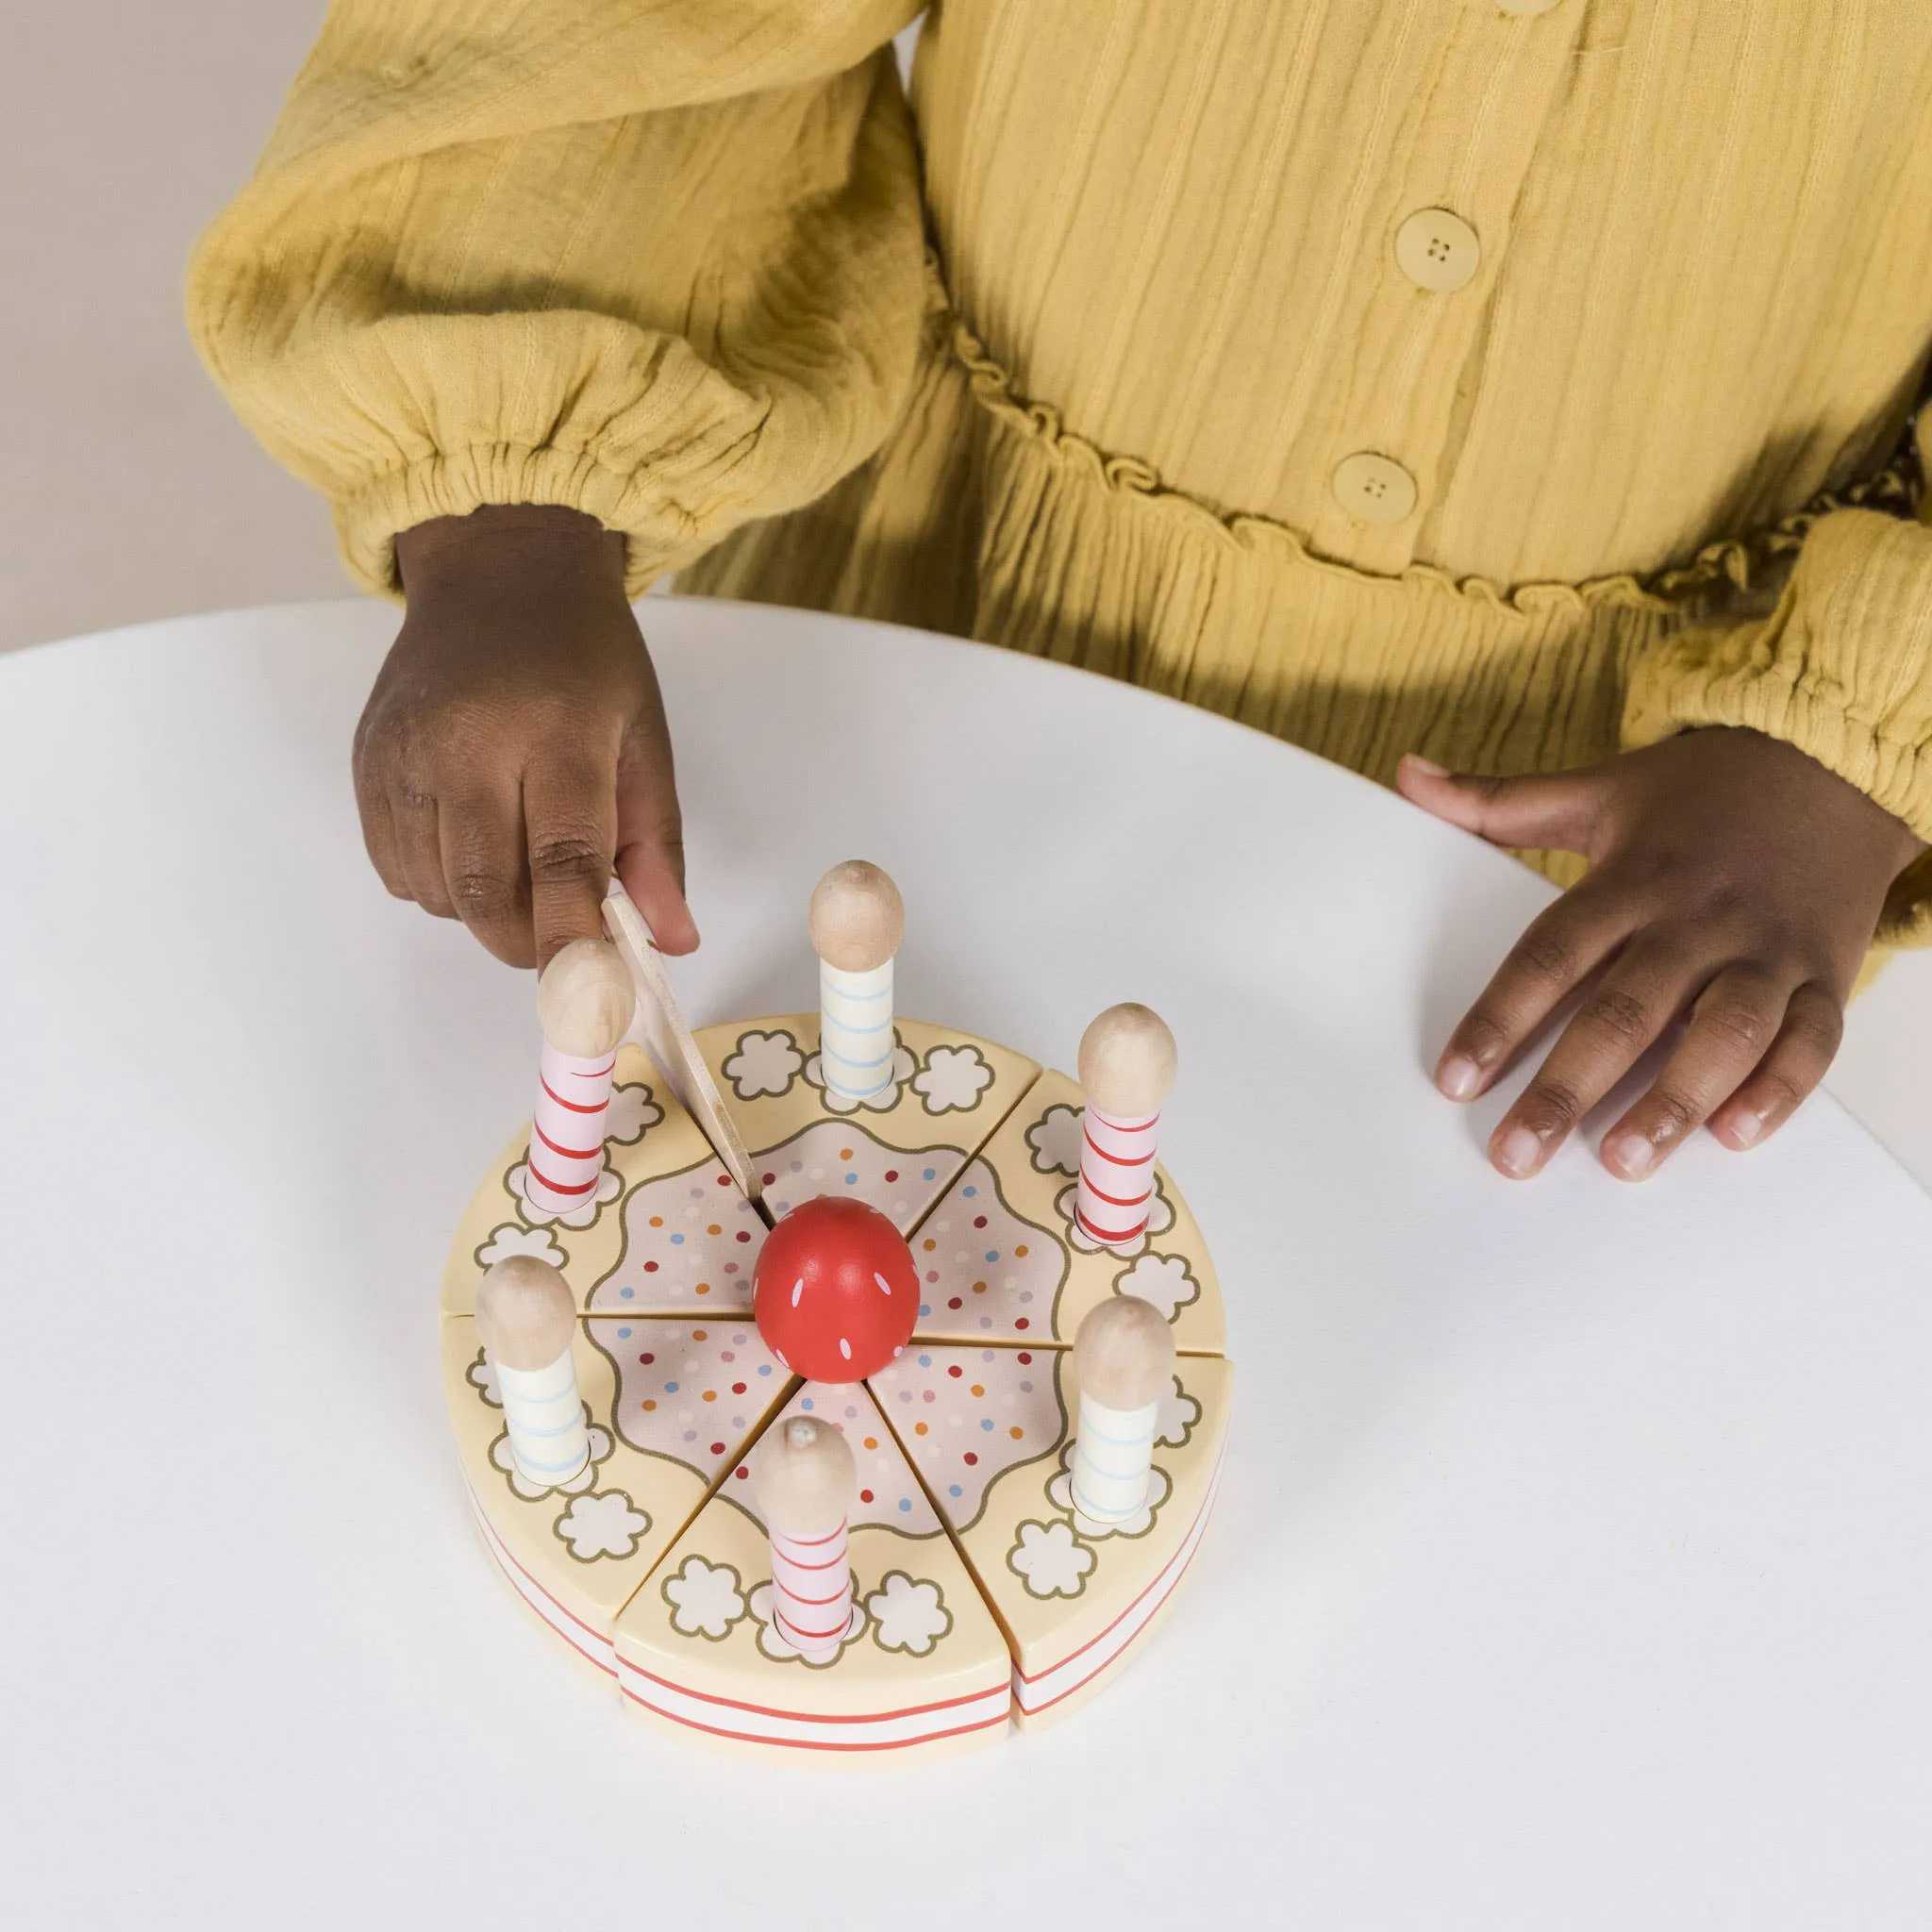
126	489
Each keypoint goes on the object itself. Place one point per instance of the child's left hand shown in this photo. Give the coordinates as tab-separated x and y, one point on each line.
1732	878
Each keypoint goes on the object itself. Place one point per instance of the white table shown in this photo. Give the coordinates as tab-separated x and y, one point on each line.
1572	1565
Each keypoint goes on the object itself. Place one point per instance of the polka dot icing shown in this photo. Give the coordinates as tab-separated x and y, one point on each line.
687	1247
981	1412
889	1493
672	1377
839	1156
983	1269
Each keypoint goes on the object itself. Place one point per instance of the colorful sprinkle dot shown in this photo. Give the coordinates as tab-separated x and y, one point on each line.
956	1371
871	1441
980	1387
905	1503
932	1174
969	1193
929	1245
979	1220
649	1267
710	1395
671	1387
806	1403
971	1458
657	1220
740	1472
1016	1432
648	1357
677	1241
627	1294
738	1387
1025	1360
986	1423
623	1335
717	1448
700	1335
1021	1250
714	1228
744	1235
1021	1322
992	1254
955	1303
954	1490
925	1307
865	1495
919	1428
764	1368
891	1173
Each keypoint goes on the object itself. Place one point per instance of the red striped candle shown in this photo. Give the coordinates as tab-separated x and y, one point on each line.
567	1130
811	1590
1115	1190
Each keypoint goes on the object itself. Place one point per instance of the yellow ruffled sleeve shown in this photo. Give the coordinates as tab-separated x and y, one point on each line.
658	260
1842	668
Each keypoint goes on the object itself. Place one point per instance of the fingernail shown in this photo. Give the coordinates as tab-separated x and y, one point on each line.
1427	767
1746	1127
1632	1155
1459	1077
1521	1150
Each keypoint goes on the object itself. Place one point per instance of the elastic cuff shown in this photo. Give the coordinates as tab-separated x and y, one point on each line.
658	537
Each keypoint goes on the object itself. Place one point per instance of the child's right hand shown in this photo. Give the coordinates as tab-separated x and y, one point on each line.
514	748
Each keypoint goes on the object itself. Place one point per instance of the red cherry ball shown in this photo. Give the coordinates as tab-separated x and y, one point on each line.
835	1291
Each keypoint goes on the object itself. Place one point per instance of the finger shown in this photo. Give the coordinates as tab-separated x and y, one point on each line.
1732	1026
372	808
419	850
570	829
379	841
1620	1015
1805	1045
484	870
1559	950
650	842
1560	811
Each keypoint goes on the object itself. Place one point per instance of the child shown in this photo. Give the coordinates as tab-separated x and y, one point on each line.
1520	386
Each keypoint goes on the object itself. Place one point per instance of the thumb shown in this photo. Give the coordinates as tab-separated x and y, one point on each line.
650	846
1560	812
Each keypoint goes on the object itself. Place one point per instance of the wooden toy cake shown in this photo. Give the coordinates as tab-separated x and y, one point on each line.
835	1382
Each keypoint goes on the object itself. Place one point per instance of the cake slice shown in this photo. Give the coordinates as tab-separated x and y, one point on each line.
921	1667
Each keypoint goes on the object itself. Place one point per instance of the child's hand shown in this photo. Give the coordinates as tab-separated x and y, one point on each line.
1731	877
514	746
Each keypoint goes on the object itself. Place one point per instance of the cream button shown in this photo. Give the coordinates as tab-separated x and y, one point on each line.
1527	6
1374	489
1437	250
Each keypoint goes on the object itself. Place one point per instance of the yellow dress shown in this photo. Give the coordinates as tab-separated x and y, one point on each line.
1506	380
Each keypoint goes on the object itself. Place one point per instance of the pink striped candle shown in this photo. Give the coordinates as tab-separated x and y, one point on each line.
1126	1071
1116	1188
566	1129
811	1590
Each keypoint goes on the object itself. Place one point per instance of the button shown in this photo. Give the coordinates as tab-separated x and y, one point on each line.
1374	489
1527	6
1437	250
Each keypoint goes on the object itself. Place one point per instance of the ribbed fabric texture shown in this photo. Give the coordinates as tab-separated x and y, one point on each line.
666	260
